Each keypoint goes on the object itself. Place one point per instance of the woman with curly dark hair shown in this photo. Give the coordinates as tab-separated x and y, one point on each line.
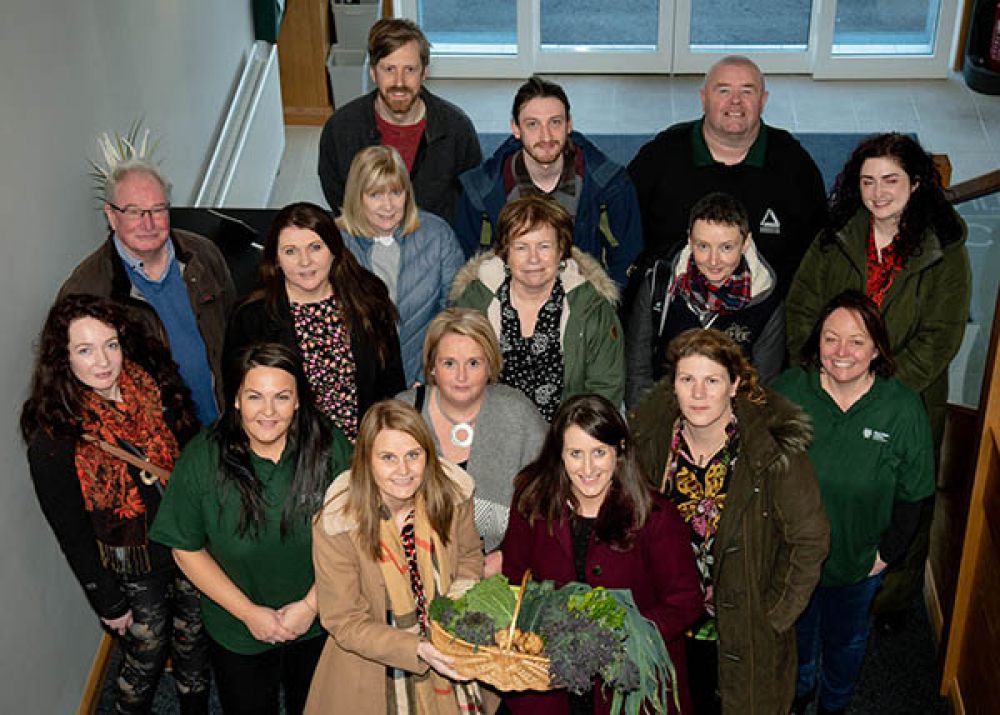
732	456
894	237
583	511
104	422
317	299
237	515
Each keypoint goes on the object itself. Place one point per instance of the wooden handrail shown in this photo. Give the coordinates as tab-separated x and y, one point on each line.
974	188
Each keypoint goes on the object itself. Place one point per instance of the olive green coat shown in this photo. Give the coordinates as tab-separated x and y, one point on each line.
770	545
592	345
925	309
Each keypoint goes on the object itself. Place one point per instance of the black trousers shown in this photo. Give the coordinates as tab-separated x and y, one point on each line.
249	684
166	619
703	675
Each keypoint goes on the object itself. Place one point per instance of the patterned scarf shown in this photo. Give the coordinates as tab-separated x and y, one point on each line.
700	492
881	272
706	298
111	495
533	365
412	576
329	363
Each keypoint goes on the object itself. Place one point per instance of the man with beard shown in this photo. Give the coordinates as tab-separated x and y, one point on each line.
545	156
731	150
435	138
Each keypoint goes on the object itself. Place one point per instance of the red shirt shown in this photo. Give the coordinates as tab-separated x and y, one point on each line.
881	272
404	139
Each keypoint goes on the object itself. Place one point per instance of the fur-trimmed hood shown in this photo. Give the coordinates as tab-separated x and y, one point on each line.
581	268
335	520
772	430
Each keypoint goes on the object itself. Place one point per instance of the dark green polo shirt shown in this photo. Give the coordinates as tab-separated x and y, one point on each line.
269	571
877	452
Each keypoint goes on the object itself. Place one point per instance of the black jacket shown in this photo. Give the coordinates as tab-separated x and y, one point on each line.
784	194
251	323
448	148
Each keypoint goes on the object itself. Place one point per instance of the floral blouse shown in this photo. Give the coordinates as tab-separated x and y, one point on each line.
325	345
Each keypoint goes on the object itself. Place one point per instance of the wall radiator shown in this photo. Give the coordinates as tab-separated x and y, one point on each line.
248	150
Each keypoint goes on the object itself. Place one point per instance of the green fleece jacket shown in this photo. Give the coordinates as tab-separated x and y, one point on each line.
925	309
592	344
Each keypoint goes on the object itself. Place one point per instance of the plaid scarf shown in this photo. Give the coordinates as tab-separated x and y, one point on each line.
111	495
412	576
705	298
882	271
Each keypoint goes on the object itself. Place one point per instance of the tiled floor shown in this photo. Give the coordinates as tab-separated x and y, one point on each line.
947	116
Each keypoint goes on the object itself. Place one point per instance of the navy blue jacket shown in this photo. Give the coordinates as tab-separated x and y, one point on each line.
607	224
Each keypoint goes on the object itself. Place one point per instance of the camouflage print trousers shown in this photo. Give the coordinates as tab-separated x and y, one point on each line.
166	619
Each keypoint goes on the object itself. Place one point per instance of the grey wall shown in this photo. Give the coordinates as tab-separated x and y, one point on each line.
70	70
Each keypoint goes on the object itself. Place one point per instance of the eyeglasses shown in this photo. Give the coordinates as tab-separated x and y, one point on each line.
134	213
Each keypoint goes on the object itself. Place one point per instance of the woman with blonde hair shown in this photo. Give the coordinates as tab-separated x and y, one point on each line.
733	457
490	430
414	252
396	530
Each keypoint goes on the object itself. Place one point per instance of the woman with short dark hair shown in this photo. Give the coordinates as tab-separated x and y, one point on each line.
237	515
104	423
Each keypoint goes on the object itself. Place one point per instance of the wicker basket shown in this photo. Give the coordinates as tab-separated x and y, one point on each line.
500	667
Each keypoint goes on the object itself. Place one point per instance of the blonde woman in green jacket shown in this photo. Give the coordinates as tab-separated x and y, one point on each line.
894	236
552	307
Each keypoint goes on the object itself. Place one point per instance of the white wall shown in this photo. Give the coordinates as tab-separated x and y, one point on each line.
70	70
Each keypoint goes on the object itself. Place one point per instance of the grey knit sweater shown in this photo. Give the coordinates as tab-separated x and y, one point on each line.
509	434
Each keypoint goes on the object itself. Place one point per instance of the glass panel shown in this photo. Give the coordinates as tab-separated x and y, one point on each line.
766	25
476	27
596	24
887	27
982	216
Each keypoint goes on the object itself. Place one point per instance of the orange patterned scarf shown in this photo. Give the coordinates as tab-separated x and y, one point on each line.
111	493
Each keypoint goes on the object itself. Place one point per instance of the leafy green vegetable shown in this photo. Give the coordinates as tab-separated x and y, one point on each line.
645	648
536	595
600	606
586	631
492	597
444	611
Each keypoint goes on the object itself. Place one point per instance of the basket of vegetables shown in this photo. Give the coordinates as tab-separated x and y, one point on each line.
538	637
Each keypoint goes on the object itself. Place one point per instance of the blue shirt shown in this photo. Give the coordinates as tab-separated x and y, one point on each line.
169	298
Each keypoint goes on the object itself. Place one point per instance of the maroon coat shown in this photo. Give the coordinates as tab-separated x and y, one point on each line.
659	569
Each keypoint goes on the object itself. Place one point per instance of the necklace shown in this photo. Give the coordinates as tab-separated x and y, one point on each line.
457	428
698	450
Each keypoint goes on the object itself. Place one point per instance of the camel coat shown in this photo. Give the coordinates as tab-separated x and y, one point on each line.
351	676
